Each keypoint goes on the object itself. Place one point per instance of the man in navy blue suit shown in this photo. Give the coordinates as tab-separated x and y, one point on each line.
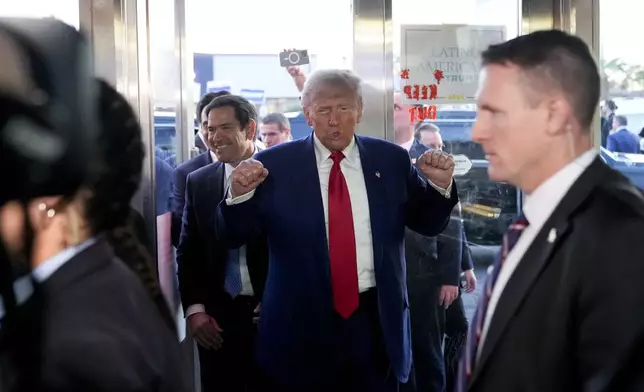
334	207
177	199
622	140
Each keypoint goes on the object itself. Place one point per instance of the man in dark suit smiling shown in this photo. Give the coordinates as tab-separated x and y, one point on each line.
221	289
177	199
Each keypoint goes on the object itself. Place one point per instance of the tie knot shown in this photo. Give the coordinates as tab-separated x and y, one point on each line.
337	157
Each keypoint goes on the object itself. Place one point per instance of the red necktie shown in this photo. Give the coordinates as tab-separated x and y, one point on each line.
342	242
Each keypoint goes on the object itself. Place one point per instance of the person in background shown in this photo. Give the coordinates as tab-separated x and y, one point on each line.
177	198
607	117
275	129
641	135
429	135
433	268
622	140
455	328
456	323
163	186
558	314
298	76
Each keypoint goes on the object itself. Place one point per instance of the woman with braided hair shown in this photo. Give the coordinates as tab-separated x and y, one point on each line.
106	325
107	206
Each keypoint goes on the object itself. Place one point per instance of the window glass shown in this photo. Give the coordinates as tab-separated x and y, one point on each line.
238	50
488	207
63	10
622	104
165	74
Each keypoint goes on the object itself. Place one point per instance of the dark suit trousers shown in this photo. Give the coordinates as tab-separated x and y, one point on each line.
361	363
427	331
456	327
232	368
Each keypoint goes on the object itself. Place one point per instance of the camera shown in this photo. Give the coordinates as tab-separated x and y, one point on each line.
290	58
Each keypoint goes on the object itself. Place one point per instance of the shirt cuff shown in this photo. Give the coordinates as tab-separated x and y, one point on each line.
239	199
445	192
194	309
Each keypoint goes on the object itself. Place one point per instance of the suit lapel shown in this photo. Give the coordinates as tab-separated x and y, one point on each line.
374	184
216	181
311	196
537	257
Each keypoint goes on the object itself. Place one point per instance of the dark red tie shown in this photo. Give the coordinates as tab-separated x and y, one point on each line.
342	242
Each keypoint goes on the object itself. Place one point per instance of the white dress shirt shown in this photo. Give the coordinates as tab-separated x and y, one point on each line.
538	207
247	287
351	167
407	145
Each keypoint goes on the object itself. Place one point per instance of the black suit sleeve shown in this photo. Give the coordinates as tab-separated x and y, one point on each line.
103	363
466	261
191	257
177	201
427	211
449	256
610	298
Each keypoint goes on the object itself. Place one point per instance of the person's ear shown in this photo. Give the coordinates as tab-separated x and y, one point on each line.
251	130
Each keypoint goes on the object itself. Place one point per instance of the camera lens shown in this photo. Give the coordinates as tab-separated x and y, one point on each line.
294	57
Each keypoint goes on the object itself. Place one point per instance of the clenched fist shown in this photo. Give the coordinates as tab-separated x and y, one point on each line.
437	166
246	177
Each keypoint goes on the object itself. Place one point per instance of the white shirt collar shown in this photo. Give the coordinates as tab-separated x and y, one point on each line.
258	146
23	287
229	167
407	145
351	154
540	204
621	128
51	265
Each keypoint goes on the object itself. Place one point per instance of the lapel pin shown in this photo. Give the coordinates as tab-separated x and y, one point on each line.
552	236
378	174
413	161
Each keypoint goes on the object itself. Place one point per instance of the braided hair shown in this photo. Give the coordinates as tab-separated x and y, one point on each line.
116	181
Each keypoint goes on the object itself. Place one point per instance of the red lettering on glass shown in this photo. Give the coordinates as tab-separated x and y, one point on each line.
416	92
431	112
424	94
407	91
422	113
412	115
433	94
438	75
